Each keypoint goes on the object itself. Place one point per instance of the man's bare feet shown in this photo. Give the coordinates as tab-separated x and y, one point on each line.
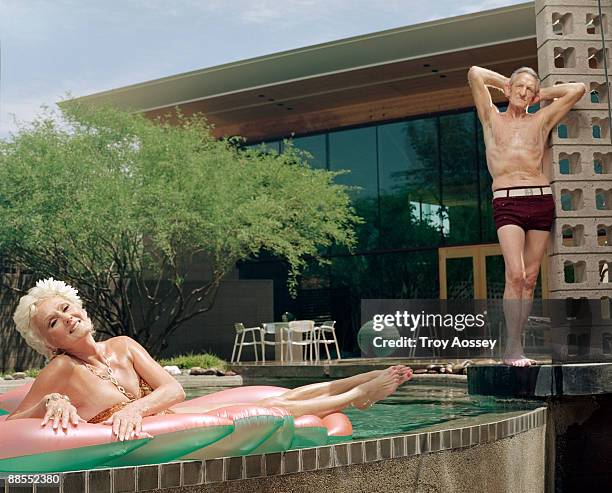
520	361
375	390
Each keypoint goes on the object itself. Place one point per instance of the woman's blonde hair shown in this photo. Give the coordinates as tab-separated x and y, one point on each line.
44	289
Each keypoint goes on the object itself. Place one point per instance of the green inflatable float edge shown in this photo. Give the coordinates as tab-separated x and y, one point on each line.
73	459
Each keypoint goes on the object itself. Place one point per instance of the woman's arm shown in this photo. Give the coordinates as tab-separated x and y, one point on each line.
166	392
44	401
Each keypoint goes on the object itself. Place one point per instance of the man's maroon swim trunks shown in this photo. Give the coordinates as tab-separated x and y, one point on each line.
527	212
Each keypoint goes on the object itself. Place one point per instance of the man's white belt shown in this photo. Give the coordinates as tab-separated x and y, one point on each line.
521	192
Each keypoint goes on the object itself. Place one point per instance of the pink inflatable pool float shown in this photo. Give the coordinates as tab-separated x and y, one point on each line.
229	430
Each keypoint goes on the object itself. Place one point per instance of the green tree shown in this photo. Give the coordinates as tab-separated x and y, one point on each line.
121	207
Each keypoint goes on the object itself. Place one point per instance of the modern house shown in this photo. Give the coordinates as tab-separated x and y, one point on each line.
395	109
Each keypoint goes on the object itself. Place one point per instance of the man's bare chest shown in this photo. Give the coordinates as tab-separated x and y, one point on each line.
511	133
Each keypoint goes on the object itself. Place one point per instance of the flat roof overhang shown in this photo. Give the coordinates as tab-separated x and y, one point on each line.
276	93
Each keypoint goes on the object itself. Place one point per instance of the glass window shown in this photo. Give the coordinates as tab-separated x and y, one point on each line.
489	234
409	184
315	146
353	278
402	275
459	177
355	150
272	146
410	275
459	278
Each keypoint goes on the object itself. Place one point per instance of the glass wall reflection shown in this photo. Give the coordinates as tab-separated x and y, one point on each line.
458	155
410	206
355	151
316	147
418	183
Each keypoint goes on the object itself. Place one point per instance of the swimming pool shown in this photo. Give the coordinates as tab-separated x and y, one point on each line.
415	405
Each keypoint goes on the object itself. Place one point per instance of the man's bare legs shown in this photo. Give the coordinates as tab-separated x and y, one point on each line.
522	257
535	247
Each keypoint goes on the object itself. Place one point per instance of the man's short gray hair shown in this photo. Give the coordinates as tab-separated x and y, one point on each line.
44	289
524	70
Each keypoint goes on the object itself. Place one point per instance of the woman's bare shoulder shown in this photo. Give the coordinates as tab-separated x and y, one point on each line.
61	363
54	377
120	345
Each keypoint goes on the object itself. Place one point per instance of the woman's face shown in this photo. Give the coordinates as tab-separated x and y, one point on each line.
61	323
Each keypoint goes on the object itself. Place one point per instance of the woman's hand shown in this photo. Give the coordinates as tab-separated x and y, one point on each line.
59	409
127	424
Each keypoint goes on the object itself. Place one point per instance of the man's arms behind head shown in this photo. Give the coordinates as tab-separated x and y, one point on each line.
479	78
564	97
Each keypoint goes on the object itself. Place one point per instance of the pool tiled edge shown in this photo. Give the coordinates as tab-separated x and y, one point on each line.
192	473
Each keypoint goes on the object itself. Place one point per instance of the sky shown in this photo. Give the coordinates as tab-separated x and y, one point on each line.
52	48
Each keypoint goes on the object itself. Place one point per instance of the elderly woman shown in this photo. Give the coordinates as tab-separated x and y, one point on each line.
117	382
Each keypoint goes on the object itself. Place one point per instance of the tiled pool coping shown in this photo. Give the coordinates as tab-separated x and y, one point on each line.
191	473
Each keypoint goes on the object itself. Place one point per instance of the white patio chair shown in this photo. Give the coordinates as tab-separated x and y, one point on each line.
304	329
274	329
320	337
241	332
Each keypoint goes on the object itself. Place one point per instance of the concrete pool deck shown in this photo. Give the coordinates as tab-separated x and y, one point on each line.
578	397
198	382
340	368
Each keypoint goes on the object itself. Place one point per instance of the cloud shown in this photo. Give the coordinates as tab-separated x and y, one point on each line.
15	112
486	5
24	104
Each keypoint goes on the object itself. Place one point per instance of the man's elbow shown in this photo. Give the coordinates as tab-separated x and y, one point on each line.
579	89
473	72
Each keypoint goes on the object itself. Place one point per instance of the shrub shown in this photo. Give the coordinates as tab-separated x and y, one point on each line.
203	360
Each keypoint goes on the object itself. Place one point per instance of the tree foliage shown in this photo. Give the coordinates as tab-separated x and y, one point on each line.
122	207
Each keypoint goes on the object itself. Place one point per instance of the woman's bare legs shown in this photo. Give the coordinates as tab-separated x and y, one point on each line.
361	391
326	389
361	396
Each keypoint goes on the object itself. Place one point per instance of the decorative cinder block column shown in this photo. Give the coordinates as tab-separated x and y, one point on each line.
574	45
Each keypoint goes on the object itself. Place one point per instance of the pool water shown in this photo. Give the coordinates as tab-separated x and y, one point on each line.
414	405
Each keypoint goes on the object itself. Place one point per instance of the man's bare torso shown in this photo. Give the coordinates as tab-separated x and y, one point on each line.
515	148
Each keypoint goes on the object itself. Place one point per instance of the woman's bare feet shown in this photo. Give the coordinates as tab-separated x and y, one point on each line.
377	389
405	372
392	370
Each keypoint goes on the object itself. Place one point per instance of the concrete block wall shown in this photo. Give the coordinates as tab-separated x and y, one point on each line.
570	49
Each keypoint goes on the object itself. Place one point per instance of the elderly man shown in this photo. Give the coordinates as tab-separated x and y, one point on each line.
523	206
